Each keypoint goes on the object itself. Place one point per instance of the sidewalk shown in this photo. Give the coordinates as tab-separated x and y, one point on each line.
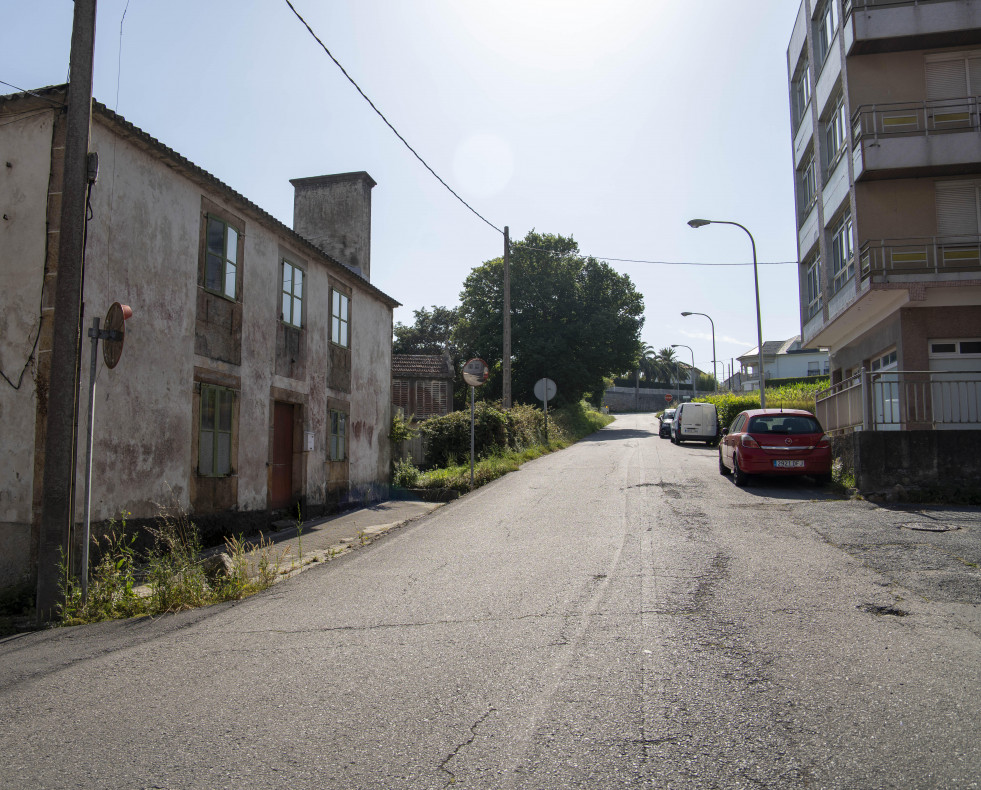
324	538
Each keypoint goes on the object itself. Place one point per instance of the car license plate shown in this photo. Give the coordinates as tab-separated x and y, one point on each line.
786	464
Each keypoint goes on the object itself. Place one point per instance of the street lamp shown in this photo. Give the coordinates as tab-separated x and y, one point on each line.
698	223
682	345
714	374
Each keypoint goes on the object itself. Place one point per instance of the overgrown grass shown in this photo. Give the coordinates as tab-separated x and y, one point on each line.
565	426
796	395
172	576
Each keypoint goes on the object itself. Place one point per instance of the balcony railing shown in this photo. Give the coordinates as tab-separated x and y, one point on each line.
855	4
891	400
921	255
937	116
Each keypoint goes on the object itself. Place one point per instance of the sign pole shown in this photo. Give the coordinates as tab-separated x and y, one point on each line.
471	436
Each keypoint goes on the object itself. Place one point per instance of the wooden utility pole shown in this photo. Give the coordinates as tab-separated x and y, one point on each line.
506	389
59	444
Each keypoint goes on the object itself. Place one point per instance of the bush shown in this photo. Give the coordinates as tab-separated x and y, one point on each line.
405	474
448	437
795	396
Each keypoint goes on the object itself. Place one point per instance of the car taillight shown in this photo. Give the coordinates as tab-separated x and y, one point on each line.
824	442
748	441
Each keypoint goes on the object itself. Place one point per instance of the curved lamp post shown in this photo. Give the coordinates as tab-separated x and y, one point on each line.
698	223
682	345
714	374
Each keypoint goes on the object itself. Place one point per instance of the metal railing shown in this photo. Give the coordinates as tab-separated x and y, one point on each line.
921	255
890	400
856	4
935	116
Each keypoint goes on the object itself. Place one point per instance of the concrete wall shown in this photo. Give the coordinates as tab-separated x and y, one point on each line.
371	410
624	399
25	146
945	460
886	77
896	209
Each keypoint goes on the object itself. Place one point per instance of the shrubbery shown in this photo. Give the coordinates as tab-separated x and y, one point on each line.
798	395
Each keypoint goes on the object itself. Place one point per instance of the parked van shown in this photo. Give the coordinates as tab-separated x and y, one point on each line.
696	422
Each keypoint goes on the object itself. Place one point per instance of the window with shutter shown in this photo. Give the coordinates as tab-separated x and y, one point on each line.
957	209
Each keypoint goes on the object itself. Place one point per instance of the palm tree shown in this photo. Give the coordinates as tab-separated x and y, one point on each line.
667	364
647	364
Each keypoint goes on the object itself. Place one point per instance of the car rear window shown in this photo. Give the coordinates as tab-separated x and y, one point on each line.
784	423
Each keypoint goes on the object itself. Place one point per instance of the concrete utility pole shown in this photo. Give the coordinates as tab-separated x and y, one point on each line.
59	444
506	388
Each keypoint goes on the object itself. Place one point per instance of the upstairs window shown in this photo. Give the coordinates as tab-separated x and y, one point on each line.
800	93
292	295
814	287
824	30
221	262
841	252
215	434
836	133
806	186
340	317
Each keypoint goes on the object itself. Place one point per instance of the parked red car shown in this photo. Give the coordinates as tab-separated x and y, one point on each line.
775	442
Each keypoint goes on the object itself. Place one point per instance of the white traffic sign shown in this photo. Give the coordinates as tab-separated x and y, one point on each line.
545	389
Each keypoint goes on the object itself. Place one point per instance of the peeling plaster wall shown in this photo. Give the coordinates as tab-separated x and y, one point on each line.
142	250
26	145
371	400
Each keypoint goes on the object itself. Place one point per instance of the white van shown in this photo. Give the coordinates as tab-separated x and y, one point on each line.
696	422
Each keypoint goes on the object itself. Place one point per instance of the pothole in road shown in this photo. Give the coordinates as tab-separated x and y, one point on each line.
880	611
927	526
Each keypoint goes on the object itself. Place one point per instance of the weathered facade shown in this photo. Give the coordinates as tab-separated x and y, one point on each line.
256	372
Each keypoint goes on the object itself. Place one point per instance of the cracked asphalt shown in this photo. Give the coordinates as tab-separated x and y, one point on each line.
616	615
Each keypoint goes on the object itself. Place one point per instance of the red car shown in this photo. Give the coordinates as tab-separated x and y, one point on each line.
775	442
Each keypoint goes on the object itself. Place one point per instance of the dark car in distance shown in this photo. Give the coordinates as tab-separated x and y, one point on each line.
667	417
775	442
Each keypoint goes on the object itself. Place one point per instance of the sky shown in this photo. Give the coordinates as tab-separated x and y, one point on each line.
614	122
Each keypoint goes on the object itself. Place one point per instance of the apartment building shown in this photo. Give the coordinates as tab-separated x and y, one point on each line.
884	100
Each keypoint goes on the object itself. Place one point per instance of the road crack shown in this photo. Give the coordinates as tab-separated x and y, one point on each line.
444	766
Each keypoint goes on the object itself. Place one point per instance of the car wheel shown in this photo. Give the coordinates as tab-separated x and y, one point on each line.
823	480
739	477
723	469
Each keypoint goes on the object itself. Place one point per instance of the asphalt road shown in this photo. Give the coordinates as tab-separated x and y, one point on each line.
616	615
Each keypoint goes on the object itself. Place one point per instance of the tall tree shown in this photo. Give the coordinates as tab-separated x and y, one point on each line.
432	332
574	319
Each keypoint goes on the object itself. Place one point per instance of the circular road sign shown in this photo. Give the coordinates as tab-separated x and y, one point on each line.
668	398
476	372
545	389
112	346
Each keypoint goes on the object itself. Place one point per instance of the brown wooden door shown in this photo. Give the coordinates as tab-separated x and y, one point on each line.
281	485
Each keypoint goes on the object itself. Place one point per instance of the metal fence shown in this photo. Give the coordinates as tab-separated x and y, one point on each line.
891	400
923	255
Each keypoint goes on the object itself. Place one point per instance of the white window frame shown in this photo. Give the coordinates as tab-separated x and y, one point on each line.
807	186
225	259
292	294
215	434
340	318
814	296
842	254
337	435
836	133
800	92
824	30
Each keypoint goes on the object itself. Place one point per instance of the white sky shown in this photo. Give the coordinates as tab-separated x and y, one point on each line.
611	121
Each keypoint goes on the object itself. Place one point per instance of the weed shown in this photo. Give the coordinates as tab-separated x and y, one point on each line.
299	532
405	474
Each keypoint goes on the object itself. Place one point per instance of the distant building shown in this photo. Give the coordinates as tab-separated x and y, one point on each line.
783	359
256	372
422	385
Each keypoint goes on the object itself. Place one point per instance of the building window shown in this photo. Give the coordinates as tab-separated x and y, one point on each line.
806	186
221	262
431	399
215	434
836	132
292	295
841	252
800	93
813	368
338	435
340	316
885	361
814	287
824	32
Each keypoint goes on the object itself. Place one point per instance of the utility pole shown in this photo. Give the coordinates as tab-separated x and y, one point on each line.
59	443
506	388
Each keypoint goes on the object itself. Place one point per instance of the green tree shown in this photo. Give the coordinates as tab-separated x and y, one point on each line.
432	332
574	319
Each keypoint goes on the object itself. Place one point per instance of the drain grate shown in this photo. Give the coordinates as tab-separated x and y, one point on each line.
932	526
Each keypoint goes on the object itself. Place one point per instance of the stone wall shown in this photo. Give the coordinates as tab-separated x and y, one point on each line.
628	399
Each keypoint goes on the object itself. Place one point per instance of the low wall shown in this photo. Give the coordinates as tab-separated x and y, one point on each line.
626	399
880	460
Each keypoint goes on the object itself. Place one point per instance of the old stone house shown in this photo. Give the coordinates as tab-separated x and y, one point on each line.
422	385
256	371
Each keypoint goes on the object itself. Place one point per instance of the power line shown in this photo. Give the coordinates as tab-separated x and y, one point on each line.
388	123
32	93
519	246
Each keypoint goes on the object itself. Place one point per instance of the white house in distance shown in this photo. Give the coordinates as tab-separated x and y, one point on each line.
783	359
256	371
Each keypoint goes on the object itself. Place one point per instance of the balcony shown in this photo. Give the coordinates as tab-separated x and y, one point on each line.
892	25
915	259
908	139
